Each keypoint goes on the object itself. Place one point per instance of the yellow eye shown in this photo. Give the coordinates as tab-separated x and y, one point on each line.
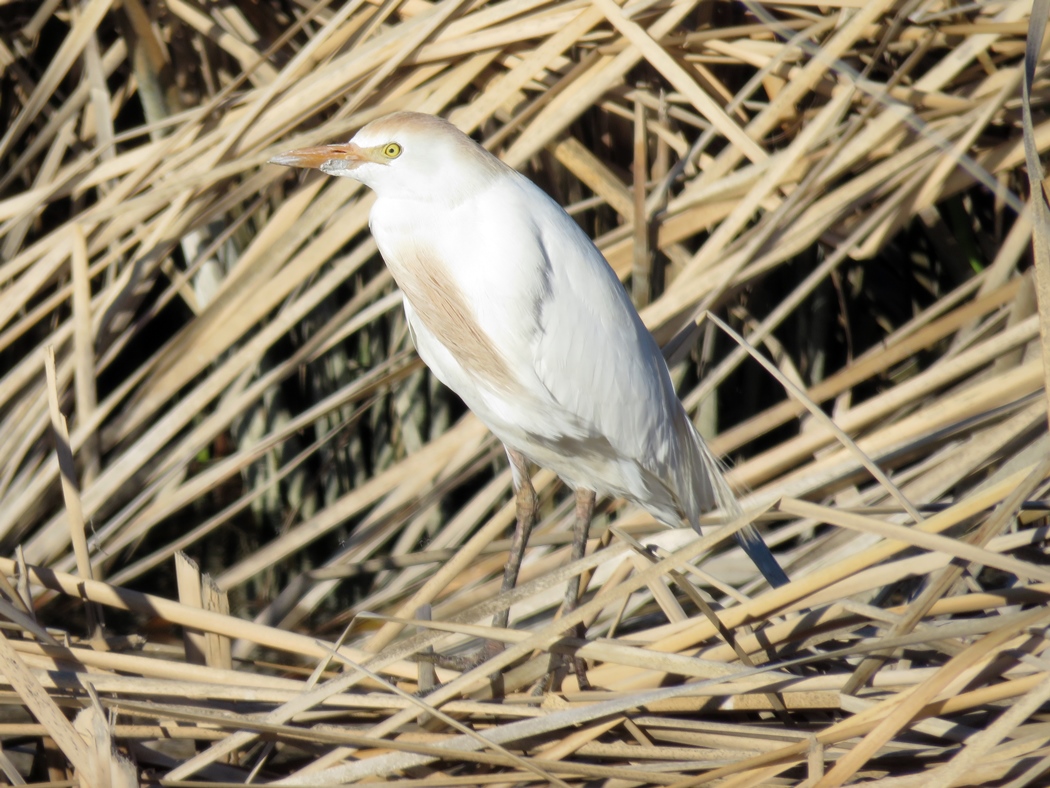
391	150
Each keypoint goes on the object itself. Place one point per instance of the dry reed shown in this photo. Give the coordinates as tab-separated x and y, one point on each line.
846	181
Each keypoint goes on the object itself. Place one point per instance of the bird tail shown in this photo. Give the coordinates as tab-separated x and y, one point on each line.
711	489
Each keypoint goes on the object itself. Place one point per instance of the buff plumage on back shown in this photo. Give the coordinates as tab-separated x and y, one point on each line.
427	284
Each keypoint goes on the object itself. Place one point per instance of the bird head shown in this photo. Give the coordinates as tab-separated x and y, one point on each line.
407	155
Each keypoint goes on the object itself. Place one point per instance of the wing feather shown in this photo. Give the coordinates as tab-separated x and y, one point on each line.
599	361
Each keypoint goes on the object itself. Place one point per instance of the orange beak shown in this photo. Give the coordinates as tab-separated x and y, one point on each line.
314	158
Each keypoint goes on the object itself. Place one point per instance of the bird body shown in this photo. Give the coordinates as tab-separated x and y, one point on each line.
512	307
540	341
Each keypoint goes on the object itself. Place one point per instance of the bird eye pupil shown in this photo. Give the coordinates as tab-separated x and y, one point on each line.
392	151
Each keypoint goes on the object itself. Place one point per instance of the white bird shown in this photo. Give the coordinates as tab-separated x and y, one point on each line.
512	307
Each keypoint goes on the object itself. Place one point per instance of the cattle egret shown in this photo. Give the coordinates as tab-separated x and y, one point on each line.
512	307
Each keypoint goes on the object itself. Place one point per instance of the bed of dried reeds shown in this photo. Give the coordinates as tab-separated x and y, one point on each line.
203	358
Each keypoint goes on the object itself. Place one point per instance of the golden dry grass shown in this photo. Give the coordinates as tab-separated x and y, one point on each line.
164	290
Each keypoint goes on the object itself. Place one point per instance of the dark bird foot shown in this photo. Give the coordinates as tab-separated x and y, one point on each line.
464	662
562	665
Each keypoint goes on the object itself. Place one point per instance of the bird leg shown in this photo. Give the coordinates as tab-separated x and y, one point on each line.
526	504
581	527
